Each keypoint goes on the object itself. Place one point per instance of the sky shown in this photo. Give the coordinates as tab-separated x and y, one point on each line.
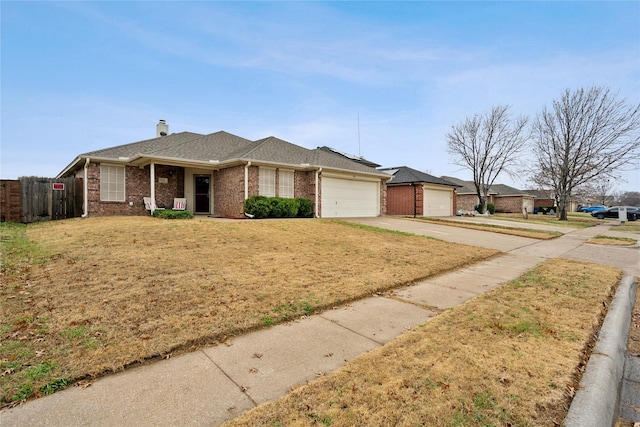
382	80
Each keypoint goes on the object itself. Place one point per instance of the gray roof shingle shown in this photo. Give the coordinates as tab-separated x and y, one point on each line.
222	146
405	175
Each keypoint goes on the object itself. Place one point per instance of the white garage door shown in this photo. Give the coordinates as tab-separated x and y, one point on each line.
343	198
438	202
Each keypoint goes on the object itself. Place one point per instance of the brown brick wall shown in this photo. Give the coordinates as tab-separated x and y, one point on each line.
466	201
508	204
455	201
228	190
137	186
304	185
384	194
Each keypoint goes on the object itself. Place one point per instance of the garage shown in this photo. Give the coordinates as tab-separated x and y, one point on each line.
344	198
416	193
438	202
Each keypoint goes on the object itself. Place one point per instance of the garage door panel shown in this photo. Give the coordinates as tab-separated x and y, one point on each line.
343	198
437	202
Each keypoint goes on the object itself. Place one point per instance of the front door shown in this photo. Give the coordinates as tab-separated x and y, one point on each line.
203	194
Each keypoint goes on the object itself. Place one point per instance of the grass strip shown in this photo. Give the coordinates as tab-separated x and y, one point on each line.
512	356
513	231
612	240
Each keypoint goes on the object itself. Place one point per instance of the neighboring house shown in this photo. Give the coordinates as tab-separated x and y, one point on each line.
216	173
411	192
543	198
505	199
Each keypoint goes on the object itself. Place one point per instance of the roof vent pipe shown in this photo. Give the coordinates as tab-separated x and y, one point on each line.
162	129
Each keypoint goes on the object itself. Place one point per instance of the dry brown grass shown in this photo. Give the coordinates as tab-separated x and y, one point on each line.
612	241
117	291
508	357
512	231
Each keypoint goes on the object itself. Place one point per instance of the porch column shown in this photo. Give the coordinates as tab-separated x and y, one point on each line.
152	169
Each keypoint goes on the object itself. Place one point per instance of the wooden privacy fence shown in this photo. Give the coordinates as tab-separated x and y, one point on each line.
32	199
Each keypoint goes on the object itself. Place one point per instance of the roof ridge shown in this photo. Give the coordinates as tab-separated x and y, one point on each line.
139	142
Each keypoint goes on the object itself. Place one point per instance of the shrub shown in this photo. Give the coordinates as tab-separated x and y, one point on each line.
305	207
278	207
288	208
258	206
171	214
491	208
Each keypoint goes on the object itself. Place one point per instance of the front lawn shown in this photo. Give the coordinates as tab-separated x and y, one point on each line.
80	298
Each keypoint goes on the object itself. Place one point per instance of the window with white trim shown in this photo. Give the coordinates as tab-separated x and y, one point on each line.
112	183
267	182
285	184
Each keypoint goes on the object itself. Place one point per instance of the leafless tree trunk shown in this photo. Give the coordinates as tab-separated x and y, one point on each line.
487	145
586	134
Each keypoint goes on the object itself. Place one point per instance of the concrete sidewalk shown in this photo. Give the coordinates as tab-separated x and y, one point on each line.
216	384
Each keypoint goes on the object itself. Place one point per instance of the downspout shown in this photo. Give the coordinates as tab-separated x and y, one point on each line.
246	180
152	171
318	172
85	189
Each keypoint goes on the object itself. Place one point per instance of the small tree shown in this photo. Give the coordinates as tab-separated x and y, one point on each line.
586	133
487	145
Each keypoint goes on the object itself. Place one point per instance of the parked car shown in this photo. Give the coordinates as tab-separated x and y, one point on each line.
592	208
633	213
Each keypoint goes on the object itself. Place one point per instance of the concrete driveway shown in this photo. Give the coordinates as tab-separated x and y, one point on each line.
465	236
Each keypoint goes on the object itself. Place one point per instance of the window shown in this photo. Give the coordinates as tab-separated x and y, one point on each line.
111	183
285	184
267	183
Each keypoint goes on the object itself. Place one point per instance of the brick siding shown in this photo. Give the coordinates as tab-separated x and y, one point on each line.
513	204
137	186
228	191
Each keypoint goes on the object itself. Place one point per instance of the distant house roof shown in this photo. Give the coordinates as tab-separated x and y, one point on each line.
468	187
406	175
541	194
351	157
220	149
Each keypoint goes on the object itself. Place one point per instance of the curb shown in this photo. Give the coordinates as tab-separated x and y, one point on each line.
596	401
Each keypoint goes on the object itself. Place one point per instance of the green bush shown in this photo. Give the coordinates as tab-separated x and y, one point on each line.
258	206
305	207
171	214
491	208
289	208
278	207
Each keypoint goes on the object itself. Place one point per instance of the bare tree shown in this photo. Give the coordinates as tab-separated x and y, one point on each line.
488	145
599	189
586	133
629	198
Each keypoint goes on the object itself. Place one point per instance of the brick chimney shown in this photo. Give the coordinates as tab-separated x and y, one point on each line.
162	129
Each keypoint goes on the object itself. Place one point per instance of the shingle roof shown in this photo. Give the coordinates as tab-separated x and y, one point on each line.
405	175
223	147
468	187
354	158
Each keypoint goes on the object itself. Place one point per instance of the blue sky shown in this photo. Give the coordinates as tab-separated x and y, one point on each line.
80	76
